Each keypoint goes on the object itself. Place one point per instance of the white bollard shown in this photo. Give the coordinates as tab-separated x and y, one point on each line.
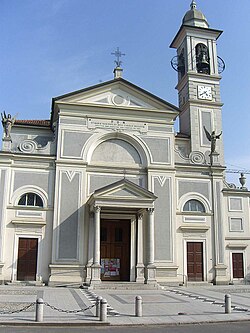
39	309
138	306
228	307
98	306
103	310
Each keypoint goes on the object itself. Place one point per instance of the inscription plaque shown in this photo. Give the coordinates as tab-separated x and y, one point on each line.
117	125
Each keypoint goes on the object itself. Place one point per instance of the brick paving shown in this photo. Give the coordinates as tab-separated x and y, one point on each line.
164	306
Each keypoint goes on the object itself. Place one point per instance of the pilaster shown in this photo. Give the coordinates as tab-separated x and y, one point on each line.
150	269
96	267
140	266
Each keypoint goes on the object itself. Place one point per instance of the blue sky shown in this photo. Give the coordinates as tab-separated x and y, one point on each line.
51	47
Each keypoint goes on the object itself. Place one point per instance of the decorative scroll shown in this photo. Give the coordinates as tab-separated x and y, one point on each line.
28	146
197	157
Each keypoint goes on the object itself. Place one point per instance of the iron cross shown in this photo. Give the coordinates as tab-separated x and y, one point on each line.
118	54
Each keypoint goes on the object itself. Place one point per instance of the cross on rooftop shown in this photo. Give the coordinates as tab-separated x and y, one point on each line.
118	54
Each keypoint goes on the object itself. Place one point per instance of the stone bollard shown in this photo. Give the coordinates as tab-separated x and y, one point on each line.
39	309
103	310
138	306
228	308
98	305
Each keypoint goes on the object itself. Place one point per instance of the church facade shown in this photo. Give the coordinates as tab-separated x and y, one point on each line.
107	191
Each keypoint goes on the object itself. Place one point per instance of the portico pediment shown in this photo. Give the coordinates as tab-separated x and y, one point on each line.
123	193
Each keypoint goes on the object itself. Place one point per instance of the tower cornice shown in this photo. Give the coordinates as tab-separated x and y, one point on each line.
211	79
204	104
192	30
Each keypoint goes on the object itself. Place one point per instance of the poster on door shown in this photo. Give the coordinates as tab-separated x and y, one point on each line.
110	267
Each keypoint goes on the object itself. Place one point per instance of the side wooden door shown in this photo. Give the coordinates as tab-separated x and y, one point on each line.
27	259
238	265
195	261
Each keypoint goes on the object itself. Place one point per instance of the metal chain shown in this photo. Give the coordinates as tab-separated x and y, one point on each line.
68	311
50	306
18	310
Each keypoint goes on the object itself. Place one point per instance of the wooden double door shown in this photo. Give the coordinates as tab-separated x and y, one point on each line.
195	261
115	250
27	259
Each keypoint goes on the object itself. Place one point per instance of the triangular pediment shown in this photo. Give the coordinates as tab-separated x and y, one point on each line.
123	193
116	93
124	189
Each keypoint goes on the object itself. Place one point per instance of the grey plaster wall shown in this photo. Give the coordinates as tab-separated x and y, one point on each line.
159	148
68	217
22	178
163	221
73	143
73	121
116	151
99	181
165	129
193	186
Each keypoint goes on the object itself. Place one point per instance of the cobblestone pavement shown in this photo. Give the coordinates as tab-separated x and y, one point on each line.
164	306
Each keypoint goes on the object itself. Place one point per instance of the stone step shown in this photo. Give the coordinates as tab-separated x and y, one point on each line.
199	284
124	286
25	283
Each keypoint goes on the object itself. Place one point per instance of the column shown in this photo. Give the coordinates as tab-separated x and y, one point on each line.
96	267
139	265
151	270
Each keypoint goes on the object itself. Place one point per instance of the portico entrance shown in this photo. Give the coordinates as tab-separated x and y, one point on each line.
122	227
115	250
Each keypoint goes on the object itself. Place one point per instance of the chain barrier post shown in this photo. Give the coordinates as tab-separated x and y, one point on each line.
39	309
228	307
98	306
103	310
138	306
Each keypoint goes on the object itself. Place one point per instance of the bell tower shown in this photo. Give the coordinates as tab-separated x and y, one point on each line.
199	70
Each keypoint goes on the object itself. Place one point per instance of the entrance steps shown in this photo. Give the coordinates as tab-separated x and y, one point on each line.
25	284
124	286
199	284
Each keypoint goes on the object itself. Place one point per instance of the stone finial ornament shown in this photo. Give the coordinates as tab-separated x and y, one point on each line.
242	180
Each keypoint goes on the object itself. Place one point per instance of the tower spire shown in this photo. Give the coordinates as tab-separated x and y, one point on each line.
193	4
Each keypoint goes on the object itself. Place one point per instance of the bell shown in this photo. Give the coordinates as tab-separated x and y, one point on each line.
203	64
204	61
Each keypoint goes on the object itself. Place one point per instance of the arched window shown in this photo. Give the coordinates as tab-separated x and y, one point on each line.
194	206
30	199
202	59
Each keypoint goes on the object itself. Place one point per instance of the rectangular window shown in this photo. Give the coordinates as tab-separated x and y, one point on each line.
235	224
